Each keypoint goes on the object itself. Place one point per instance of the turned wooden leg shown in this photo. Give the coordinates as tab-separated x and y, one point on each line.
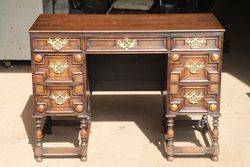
164	124
170	139
84	138
38	140
88	124
164	119
89	102
203	123
215	143
163	98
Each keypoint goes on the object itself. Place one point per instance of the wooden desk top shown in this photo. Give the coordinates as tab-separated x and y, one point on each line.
125	23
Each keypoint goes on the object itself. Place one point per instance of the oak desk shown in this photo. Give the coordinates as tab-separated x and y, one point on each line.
184	50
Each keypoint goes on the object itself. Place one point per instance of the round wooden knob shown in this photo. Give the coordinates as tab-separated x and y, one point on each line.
215	57
175	57
174	107
78	58
79	108
213	107
39	134
40	108
38	58
84	133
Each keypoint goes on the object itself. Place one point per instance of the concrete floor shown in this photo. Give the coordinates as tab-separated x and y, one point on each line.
126	130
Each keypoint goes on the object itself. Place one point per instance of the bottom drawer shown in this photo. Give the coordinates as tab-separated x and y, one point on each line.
60	100
194	99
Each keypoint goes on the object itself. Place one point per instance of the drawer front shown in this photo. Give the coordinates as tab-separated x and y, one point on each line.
59	99
52	68
195	67
127	44
57	44
189	42
194	99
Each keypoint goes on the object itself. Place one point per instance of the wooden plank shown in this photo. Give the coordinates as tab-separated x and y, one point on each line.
61	151
192	150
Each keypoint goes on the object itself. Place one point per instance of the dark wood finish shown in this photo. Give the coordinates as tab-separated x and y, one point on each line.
181	55
126	23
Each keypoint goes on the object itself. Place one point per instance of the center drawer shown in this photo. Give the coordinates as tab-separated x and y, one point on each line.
127	44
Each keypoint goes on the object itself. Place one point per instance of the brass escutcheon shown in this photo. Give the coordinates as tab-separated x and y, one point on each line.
57	43
127	43
195	43
60	98
194	67
59	67
194	97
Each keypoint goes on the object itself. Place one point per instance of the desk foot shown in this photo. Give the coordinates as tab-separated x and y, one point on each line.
215	158
39	159
170	158
83	159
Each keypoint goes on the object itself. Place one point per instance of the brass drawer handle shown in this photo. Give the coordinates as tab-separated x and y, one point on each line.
194	97
57	43
126	43
194	67
195	43
60	98
59	67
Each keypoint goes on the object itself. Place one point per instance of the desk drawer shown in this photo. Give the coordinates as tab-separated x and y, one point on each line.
59	99
128	44
194	99
61	68
195	67
57	44
190	42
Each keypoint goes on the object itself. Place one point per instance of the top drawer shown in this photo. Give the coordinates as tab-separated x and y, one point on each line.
127	44
190	42
56	44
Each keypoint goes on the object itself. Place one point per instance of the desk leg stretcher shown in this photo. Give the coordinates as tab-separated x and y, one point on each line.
81	150
213	133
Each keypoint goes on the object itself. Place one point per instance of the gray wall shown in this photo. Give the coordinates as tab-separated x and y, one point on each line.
16	17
